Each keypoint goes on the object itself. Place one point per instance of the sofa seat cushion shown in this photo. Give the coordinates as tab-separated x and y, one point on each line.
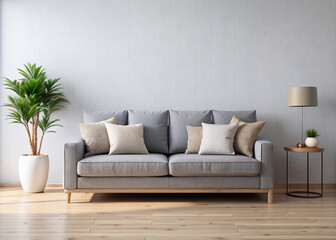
213	165
127	165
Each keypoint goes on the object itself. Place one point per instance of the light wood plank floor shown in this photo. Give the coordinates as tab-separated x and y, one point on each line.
164	216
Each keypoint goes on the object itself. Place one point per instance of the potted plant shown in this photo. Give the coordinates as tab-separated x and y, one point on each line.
35	98
311	140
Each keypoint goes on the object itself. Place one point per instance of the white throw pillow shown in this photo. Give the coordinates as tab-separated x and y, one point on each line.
126	139
218	139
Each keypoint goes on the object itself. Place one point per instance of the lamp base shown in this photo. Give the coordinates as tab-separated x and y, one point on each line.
301	145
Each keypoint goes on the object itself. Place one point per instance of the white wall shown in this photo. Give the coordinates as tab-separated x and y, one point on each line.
171	54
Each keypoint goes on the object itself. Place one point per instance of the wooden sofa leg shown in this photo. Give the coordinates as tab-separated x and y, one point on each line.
68	197
270	196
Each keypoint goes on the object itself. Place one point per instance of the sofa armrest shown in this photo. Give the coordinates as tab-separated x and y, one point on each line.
263	151
73	152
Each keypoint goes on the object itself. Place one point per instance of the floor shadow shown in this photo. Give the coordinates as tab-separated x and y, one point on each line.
53	190
178	197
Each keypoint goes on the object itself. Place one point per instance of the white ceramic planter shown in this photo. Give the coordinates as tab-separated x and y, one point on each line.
33	172
311	142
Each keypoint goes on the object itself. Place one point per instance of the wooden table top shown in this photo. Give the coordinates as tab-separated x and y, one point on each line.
293	148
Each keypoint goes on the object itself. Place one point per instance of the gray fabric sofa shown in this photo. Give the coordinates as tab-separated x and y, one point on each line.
167	169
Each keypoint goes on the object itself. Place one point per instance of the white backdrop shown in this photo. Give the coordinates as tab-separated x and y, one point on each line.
170	54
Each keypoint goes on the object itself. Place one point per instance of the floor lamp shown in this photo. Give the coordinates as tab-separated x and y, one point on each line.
302	97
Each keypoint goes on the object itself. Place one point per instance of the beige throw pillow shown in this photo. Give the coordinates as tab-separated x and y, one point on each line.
194	139
95	137
126	139
218	139
246	135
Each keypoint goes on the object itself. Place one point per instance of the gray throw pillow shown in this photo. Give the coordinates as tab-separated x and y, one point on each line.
97	116
178	121
155	128
224	117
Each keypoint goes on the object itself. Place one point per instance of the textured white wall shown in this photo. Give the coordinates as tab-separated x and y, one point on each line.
171	54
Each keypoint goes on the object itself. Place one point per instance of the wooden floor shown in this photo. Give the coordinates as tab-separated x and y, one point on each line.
164	216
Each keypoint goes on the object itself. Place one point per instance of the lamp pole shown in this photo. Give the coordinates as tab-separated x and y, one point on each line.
301	124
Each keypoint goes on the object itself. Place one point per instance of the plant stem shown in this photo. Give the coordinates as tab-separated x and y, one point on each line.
35	130
33	136
39	151
30	140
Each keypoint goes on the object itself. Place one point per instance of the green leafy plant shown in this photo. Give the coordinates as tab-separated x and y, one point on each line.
36	98
312	133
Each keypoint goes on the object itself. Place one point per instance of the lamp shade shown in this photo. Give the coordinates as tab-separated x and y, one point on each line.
302	97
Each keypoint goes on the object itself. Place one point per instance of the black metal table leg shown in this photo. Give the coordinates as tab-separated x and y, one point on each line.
308	174
286	172
307	193
321	174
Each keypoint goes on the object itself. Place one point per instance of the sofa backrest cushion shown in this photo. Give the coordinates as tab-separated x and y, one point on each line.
178	121
96	116
224	117
155	129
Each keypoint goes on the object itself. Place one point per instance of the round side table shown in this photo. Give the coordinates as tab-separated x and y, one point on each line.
307	150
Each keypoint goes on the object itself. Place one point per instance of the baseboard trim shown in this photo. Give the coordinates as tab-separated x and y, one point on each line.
19	185
303	185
